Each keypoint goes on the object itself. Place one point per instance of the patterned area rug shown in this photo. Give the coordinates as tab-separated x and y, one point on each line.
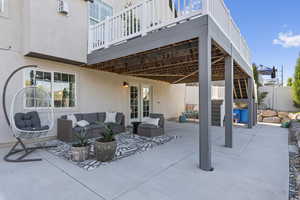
127	145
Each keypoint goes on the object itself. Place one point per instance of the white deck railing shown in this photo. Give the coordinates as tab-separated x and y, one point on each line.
150	15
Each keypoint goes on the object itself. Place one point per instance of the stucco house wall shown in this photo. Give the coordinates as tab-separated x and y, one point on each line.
95	90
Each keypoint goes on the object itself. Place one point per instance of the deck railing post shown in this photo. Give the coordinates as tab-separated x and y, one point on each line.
106	32
144	18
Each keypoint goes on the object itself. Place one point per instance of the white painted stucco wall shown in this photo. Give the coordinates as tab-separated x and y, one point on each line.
96	91
66	36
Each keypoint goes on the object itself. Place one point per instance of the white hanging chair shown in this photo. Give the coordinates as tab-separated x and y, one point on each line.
35	121
31	116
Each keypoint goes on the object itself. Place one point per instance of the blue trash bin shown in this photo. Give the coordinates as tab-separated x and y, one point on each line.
237	115
244	116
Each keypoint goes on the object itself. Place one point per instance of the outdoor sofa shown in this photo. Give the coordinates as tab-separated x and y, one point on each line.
66	133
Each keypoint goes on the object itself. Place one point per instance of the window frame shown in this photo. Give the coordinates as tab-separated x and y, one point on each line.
52	89
2	9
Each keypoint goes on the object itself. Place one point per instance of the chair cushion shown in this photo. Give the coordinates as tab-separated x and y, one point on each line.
43	128
150	126
30	120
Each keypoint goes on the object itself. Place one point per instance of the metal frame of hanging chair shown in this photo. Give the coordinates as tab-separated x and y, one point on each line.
18	133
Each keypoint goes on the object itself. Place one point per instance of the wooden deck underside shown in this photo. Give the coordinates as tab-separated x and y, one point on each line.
175	64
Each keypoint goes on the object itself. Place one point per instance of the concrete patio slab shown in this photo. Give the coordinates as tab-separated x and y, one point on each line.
256	168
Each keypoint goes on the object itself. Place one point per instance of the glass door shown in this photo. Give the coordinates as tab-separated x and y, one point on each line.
134	103
146	107
140	102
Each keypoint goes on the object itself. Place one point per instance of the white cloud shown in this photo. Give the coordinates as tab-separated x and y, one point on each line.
287	40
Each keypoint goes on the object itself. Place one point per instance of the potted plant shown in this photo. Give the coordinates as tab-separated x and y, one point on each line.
80	150
106	146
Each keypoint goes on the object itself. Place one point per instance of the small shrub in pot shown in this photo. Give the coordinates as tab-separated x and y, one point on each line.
80	150
106	146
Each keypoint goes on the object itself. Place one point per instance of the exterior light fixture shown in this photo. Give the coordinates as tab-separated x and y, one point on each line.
125	84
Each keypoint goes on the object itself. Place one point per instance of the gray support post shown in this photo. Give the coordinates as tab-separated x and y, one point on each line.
205	101
228	101
250	102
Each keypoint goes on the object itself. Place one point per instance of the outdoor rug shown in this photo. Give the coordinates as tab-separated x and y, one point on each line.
127	145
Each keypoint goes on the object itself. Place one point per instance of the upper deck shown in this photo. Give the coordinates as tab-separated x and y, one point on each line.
151	16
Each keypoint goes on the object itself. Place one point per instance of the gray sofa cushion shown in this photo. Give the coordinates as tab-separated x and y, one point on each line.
79	116
27	121
119	118
90	117
101	116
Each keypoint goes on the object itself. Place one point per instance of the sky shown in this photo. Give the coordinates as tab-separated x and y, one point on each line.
272	30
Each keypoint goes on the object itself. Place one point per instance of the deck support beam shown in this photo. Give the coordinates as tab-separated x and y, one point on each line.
250	102
228	101
205	42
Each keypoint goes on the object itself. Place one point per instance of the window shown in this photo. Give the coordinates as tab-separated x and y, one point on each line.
134	102
146	101
1	5
59	86
98	11
64	90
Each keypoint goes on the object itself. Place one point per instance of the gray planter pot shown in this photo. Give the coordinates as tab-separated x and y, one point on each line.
80	154
105	151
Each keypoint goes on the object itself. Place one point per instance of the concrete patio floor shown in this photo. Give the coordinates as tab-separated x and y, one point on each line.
255	169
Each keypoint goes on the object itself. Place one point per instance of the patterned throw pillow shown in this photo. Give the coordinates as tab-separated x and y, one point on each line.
73	119
83	123
152	121
110	117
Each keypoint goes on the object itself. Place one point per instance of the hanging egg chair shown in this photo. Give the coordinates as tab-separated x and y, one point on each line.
31	116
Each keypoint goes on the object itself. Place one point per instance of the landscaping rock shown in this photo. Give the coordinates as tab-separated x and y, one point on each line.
269	113
260	118
292	116
283	115
276	120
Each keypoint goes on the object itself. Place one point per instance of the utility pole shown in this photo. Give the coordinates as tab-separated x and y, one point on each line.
282	75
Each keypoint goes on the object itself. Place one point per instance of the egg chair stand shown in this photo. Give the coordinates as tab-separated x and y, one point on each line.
26	151
29	133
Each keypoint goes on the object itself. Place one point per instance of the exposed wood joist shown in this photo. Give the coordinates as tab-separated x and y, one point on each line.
195	72
246	84
240	88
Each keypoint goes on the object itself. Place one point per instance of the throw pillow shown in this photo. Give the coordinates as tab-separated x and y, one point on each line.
83	123
110	117
73	119
152	121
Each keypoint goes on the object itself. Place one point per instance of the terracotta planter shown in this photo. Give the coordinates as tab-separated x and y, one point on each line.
105	151
80	154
